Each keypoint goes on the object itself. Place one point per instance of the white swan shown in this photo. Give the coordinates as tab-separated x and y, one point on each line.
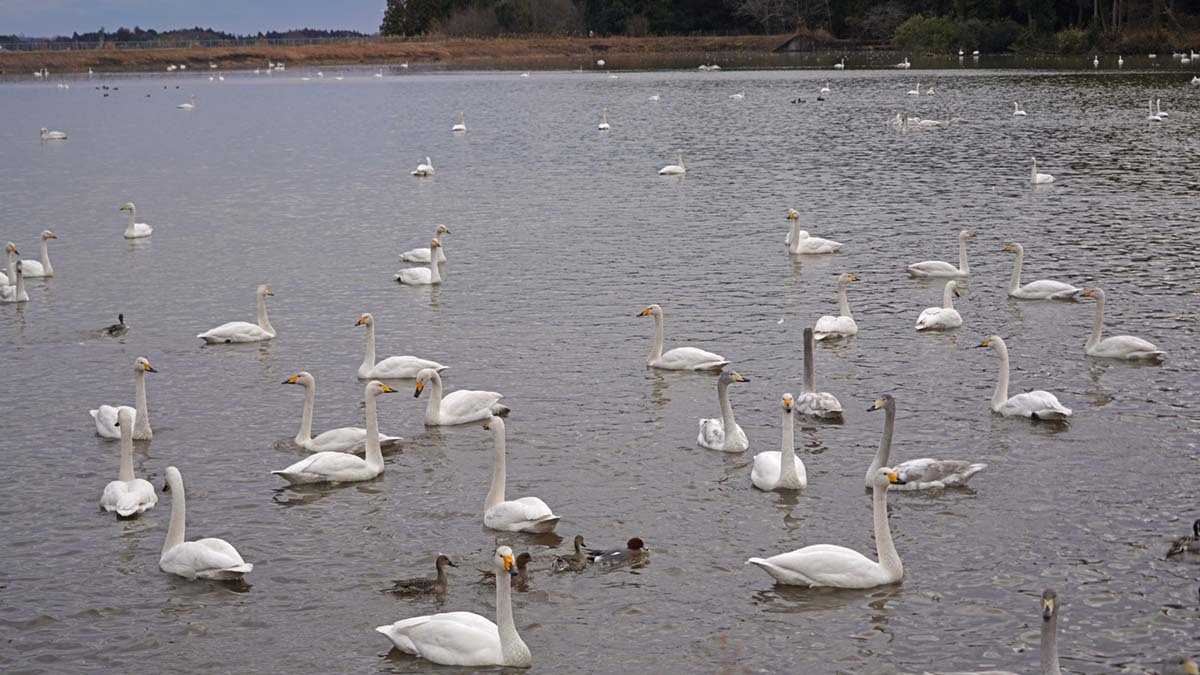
674	169
1049	645
189	105
916	474
134	229
465	638
1152	117
680	358
603	126
944	317
127	495
915	92
527	514
242	331
48	135
457	407
393	367
781	470
840	567
842	325
42	268
815	403
421	255
825	89
461	127
840	65
941	268
738	96
378	73
1038	178
341	467
1096	61
800	243
1017	112
1158	108
1038	404
713	431
423	276
654	97
342	439
15	292
202	559
1043	289
8	275
106	416
425	169
1125	347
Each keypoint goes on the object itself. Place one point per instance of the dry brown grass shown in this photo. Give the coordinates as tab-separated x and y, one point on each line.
448	53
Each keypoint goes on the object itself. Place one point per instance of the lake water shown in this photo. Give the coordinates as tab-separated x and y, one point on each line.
560	236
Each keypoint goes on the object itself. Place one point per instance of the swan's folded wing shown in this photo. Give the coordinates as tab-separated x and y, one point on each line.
819	245
232	329
128	498
951	472
827	564
204	558
1129	345
324	464
468	402
403	367
765	474
712	433
452	638
1049	287
518	511
419	276
691	358
834	325
416	255
820	403
928	267
106	419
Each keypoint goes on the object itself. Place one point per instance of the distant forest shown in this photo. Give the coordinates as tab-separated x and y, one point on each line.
183	35
1066	26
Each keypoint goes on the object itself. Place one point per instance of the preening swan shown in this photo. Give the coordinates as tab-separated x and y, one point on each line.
1049	641
460	127
842	325
189	105
423	276
135	230
800	243
1043	289
127	495
724	433
48	135
341	467
1017	112
1038	178
941	268
457	407
425	169
944	317
603	126
916	474
1125	347
815	403
680	358
40	268
421	255
527	514
840	567
16	292
465	638
242	331
781	470
106	416
393	367
1038	404
674	169
202	559
342	439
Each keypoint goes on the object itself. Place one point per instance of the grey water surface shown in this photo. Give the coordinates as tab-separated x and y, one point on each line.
560	235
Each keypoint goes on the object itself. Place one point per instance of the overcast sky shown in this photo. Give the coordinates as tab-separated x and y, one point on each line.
39	18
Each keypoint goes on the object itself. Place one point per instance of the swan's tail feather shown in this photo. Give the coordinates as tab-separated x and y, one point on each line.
971	471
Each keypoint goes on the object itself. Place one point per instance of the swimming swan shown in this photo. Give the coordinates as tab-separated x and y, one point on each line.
1017	112
190	105
1043	289
423	276
393	367
106	416
202	559
465	638
674	169
916	474
781	470
40	268
457	407
48	135
680	358
425	169
527	514
800	243
1036	404
815	403
127	495
944	317
16	292
941	268
603	126
241	331
842	325
1118	346
713	430
461	127
341	467
421	255
1038	178
840	567
342	439
135	230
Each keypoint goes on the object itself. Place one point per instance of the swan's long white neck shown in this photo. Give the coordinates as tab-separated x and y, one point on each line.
1050	645
962	254
126	453
512	647
843	306
889	559
726	408
1033	171
1015	283
374	454
369	357
177	530
795	242
46	268
657	350
1001	394
948	296
1098	327
884	453
434	272
142	424
433	410
132	219
310	396
787	450
9	270
495	493
263	322
20	283
810	377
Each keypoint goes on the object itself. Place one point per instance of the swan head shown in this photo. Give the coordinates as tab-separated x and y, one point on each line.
788	402
504	561
994	341
845	277
883	402
442	229
11	248
143	366
966	234
303	377
173	477
44	130
886	476
434	244
264	290
365	320
494	424
793	214
47	234
732	376
442	561
375	388
1049	604
1096	293
953	286
652	310
127	206
124	418
423	377
1014	248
